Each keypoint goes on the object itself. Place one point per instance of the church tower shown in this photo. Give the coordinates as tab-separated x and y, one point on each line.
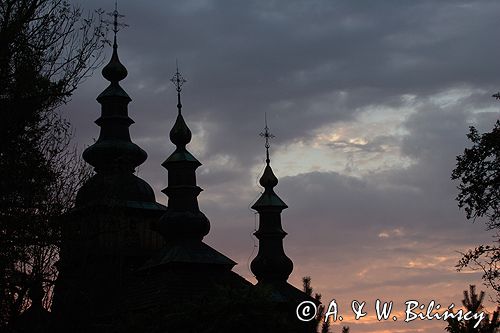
107	236
185	269
271	266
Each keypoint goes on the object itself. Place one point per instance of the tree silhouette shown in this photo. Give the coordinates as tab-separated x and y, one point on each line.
46	49
478	170
324	327
473	302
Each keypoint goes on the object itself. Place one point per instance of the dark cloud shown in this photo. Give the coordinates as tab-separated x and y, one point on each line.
306	64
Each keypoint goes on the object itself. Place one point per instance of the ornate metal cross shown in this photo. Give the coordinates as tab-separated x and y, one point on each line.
178	80
115	16
267	135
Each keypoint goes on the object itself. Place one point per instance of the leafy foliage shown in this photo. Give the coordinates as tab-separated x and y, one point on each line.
478	170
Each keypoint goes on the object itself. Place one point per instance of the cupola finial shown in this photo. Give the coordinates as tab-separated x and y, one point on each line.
268	178
180	134
178	81
114	71
267	135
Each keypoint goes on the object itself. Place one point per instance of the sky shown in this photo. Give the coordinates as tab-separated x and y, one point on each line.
370	103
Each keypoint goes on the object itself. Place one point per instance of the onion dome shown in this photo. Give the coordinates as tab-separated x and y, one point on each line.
114	71
180	134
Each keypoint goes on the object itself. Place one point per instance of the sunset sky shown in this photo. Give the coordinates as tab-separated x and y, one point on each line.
370	103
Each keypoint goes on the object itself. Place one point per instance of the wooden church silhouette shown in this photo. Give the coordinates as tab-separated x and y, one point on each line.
130	264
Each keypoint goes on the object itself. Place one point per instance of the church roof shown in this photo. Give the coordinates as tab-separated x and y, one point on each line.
177	284
188	252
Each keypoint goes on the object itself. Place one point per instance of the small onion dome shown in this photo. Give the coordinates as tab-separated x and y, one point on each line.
269	199
268	179
114	71
180	134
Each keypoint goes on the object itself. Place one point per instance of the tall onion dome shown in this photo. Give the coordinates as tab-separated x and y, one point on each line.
114	156
183	225
271	265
